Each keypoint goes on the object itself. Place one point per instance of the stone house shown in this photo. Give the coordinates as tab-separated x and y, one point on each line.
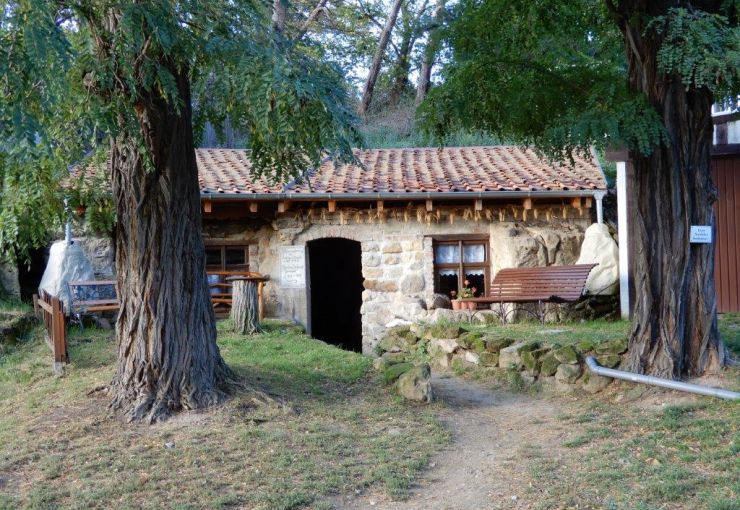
352	249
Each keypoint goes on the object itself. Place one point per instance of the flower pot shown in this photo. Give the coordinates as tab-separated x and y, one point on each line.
471	305
456	305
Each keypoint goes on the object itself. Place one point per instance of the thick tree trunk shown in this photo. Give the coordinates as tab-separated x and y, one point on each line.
372	75
278	15
674	332
245	307
167	354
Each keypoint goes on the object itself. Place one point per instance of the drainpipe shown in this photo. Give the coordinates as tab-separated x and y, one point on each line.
599	196
657	381
68	226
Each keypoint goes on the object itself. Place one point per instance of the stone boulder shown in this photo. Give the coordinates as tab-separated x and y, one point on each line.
568	374
67	262
489	359
494	345
443	330
593	383
448	345
510	357
616	346
9	283
549	364
439	301
566	354
600	248
416	384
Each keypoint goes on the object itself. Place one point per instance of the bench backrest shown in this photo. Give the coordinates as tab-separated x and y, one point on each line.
552	283
91	290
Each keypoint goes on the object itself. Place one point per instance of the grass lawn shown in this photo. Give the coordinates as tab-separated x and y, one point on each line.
58	447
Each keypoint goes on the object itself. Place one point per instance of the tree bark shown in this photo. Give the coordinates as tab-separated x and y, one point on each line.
372	75
674	332
312	16
168	359
278	15
245	307
400	76
430	52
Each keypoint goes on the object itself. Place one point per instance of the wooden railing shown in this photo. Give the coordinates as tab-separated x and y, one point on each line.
49	310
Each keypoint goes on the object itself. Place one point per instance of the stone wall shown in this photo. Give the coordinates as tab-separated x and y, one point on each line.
397	256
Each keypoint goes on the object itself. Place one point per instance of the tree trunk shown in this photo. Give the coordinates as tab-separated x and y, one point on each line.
430	52
278	15
674	332
245	307
167	354
372	75
400	77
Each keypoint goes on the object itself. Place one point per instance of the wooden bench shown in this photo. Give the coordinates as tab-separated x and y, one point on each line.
552	284
91	296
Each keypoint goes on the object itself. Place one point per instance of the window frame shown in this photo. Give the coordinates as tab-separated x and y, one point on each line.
223	246
461	241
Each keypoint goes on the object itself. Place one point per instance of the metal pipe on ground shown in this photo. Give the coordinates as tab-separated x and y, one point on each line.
657	381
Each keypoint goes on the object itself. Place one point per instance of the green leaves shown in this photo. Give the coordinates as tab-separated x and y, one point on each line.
702	48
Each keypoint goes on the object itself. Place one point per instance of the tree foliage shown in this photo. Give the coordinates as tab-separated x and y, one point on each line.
68	86
553	73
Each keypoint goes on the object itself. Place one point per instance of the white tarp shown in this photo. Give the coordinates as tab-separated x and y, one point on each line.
67	262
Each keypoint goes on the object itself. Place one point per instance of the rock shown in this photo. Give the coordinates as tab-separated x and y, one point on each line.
549	364
9	283
472	340
101	254
495	345
585	345
439	301
510	357
380	364
394	357
593	383
392	248
442	315
600	248
416	384
609	360
471	357
567	373
616	346
441	330
393	372
566	354
398	322
530	362
488	359
448	345
443	360
398	339
66	263
412	283
528	378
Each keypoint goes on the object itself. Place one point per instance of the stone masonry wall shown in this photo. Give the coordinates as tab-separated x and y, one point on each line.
397	257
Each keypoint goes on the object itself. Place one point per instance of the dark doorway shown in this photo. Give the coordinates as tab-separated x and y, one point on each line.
336	292
30	272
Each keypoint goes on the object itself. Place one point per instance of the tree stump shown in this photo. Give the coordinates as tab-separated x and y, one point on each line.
245	307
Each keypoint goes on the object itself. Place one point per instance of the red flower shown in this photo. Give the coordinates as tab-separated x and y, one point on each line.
466	283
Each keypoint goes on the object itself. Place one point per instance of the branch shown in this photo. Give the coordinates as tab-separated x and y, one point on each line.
311	18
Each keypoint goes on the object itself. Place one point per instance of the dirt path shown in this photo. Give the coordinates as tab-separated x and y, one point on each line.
483	468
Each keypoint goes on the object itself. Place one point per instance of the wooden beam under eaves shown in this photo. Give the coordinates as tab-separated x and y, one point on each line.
332	206
207	206
380	205
430	205
589	203
283	206
576	202
253	207
478	205
527	203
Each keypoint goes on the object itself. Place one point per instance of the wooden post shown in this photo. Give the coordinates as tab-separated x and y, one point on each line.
380	205
245	306
253	207
332	206
207	206
58	336
478	204
429	205
527	203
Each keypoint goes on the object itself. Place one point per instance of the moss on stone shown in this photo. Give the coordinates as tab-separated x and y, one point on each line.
489	359
549	364
530	362
585	345
609	360
442	330
393	372
616	346
566	354
494	345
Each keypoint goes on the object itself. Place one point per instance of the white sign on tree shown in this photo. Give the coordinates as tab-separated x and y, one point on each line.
700	234
293	267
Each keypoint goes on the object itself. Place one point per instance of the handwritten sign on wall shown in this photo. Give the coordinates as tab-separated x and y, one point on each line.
293	267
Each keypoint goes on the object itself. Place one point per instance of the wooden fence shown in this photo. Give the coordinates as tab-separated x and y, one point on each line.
50	311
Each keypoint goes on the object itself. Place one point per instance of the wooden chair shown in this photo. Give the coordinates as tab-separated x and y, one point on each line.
91	296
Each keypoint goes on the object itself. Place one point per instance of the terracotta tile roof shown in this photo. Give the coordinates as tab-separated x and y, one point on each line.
426	170
398	171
